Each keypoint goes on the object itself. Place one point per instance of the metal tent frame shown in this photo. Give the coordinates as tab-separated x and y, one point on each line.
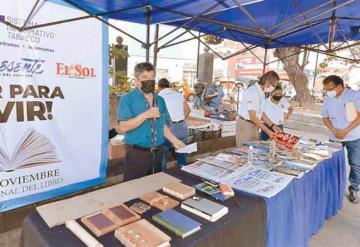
308	22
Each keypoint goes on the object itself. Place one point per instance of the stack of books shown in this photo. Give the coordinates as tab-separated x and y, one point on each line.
177	223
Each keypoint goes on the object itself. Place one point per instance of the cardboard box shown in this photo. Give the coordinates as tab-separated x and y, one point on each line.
116	151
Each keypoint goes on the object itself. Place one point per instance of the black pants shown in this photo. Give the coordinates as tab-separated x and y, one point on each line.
139	162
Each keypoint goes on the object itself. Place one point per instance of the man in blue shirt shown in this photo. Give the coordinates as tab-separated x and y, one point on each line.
214	95
344	127
142	115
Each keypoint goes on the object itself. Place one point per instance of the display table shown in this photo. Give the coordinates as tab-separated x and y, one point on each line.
301	209
244	225
288	219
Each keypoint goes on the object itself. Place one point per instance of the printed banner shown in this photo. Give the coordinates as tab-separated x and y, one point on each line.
53	103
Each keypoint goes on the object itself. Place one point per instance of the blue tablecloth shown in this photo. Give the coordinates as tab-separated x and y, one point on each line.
301	209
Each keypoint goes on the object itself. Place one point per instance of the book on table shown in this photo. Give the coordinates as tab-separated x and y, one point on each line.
287	140
177	223
205	208
159	201
179	190
142	233
109	219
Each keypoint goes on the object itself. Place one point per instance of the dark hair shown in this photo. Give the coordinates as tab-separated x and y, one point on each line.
278	87
335	79
163	83
269	76
141	67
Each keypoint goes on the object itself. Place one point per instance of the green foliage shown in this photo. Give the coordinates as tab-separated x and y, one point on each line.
213	40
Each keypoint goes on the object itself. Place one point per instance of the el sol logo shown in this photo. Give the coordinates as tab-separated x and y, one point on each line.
75	70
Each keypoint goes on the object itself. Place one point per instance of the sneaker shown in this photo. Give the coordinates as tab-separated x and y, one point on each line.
354	197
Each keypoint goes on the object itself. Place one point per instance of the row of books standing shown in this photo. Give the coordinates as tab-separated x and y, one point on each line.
132	229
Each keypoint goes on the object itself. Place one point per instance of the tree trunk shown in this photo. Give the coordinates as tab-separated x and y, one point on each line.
296	74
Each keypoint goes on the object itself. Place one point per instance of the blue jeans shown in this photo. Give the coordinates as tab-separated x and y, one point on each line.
180	130
353	149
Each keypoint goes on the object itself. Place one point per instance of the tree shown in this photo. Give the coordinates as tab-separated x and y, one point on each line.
296	74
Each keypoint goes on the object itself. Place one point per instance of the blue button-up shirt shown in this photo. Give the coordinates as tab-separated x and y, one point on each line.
334	109
133	104
216	101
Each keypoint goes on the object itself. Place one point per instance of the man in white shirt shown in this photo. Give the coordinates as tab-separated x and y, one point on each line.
275	108
178	110
344	128
251	110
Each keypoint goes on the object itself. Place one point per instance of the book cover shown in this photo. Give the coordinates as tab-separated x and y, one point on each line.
121	214
287	140
288	171
99	223
33	149
179	190
179	224
205	208
159	201
226	190
142	233
211	190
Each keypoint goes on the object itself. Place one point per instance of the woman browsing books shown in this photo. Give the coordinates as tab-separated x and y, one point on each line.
277	109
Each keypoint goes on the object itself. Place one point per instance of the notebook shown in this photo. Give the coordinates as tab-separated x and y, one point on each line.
159	201
142	233
205	208
179	190
177	223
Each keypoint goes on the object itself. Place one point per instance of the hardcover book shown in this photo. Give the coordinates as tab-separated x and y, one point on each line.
121	215
205	208
33	149
142	233
289	171
177	223
179	190
99	223
159	201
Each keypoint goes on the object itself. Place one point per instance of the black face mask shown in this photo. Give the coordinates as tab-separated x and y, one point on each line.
277	98
148	86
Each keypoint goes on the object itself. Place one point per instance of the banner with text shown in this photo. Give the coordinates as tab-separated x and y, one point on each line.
53	103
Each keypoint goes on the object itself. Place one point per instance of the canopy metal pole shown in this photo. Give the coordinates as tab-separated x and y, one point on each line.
198	57
217	54
147	44
30	14
265	57
246	47
243	50
182	41
316	64
276	35
156	45
188	21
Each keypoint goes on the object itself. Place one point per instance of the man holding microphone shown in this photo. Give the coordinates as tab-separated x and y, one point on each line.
142	115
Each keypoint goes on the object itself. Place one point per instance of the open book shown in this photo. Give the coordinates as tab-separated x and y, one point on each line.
33	149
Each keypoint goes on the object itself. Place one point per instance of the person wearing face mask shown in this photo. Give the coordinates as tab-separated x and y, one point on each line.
251	115
214	95
344	127
142	115
277	109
